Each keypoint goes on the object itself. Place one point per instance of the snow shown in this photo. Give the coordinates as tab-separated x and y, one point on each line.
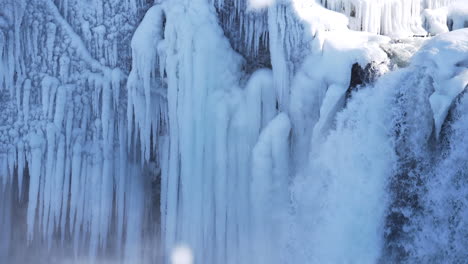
37	144
318	94
258	4
144	85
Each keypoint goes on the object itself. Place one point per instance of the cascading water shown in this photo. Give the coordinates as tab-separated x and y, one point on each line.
232	131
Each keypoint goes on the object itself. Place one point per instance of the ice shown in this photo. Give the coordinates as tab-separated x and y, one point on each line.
387	17
259	131
445	57
337	186
194	87
287	34
446	18
442	99
144	84
69	102
37	145
362	49
269	198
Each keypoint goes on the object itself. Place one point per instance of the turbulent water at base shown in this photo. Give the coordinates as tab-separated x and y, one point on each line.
233	131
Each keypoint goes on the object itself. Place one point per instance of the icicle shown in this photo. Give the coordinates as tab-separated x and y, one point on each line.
121	169
76	187
134	204
107	173
281	69
64	68
116	78
3	170
269	198
144	90
3	65
20	166
9	62
67	173
99	34
57	188
48	85
50	41
26	97
36	144
12	161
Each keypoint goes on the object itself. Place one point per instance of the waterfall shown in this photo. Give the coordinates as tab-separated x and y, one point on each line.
233	131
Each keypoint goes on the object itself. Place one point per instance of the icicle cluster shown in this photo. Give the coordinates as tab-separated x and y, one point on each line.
262	133
212	126
66	139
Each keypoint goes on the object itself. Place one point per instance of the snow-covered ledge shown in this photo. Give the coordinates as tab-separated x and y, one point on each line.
446	59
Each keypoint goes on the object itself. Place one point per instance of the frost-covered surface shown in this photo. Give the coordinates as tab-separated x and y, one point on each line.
240	131
62	125
388	17
446	18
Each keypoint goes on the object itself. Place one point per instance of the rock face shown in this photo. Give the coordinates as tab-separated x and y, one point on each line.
288	131
362	76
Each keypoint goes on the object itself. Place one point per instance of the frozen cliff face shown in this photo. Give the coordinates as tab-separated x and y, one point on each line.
62	126
106	27
279	131
389	17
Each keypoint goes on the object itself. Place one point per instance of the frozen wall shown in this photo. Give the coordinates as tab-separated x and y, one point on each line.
240	131
64	131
